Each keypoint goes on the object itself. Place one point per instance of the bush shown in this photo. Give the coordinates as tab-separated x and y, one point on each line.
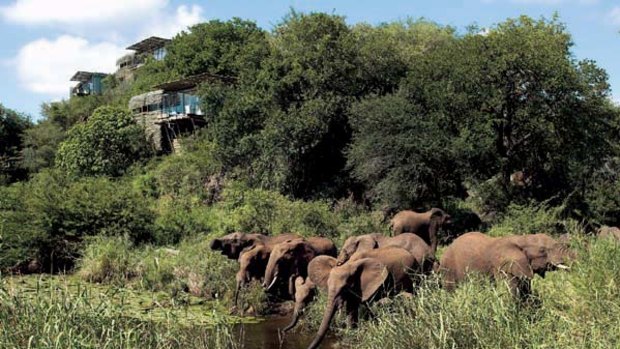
189	268
603	194
107	260
181	218
186	174
52	215
532	218
258	210
107	144
19	236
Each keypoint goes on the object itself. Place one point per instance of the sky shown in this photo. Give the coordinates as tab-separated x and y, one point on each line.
44	42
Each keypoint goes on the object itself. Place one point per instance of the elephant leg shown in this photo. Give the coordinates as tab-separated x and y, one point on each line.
520	288
352	309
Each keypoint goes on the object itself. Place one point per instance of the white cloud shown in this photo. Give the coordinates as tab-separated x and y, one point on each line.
45	66
614	15
164	26
74	12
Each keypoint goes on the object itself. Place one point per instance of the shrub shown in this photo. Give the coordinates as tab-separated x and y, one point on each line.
187	174
181	218
259	210
191	267
107	260
531	218
52	214
107	144
19	237
603	194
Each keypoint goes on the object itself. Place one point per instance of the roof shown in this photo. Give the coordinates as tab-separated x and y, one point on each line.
191	82
83	76
149	44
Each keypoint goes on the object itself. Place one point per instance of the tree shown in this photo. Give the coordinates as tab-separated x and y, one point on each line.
227	48
312	78
401	153
12	127
511	100
106	144
40	145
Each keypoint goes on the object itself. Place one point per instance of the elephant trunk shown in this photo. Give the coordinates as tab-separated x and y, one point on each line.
271	272
237	289
342	258
215	244
327	318
432	234
294	320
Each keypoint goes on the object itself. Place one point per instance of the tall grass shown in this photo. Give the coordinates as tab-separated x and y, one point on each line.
59	316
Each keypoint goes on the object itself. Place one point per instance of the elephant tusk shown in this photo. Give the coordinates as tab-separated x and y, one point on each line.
275	278
562	266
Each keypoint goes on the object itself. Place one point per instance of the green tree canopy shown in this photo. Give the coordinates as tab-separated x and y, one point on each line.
106	144
513	99
228	48
12	127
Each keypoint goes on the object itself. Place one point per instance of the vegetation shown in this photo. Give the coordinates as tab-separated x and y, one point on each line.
324	129
106	144
63	313
12	128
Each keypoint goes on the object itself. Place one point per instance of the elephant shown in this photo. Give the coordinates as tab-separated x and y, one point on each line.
305	290
233	244
609	233
517	258
289	259
410	242
424	224
252	265
368	276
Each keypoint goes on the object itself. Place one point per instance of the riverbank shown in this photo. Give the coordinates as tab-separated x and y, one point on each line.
63	311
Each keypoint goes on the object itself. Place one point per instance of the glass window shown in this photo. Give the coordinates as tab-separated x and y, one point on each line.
159	53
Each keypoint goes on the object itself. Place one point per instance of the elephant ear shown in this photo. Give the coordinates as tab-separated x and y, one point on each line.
515	263
366	243
372	275
319	269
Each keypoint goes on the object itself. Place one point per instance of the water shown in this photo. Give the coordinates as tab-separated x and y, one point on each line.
265	334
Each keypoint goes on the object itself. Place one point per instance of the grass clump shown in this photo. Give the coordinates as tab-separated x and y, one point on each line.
65	315
191	267
107	260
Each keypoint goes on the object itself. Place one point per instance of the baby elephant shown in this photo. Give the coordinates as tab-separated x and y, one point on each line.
609	233
368	276
407	241
516	257
252	265
425	224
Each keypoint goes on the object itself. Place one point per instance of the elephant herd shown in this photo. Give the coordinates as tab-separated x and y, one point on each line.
373	266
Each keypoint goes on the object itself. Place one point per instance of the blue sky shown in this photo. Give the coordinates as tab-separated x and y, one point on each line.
42	42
